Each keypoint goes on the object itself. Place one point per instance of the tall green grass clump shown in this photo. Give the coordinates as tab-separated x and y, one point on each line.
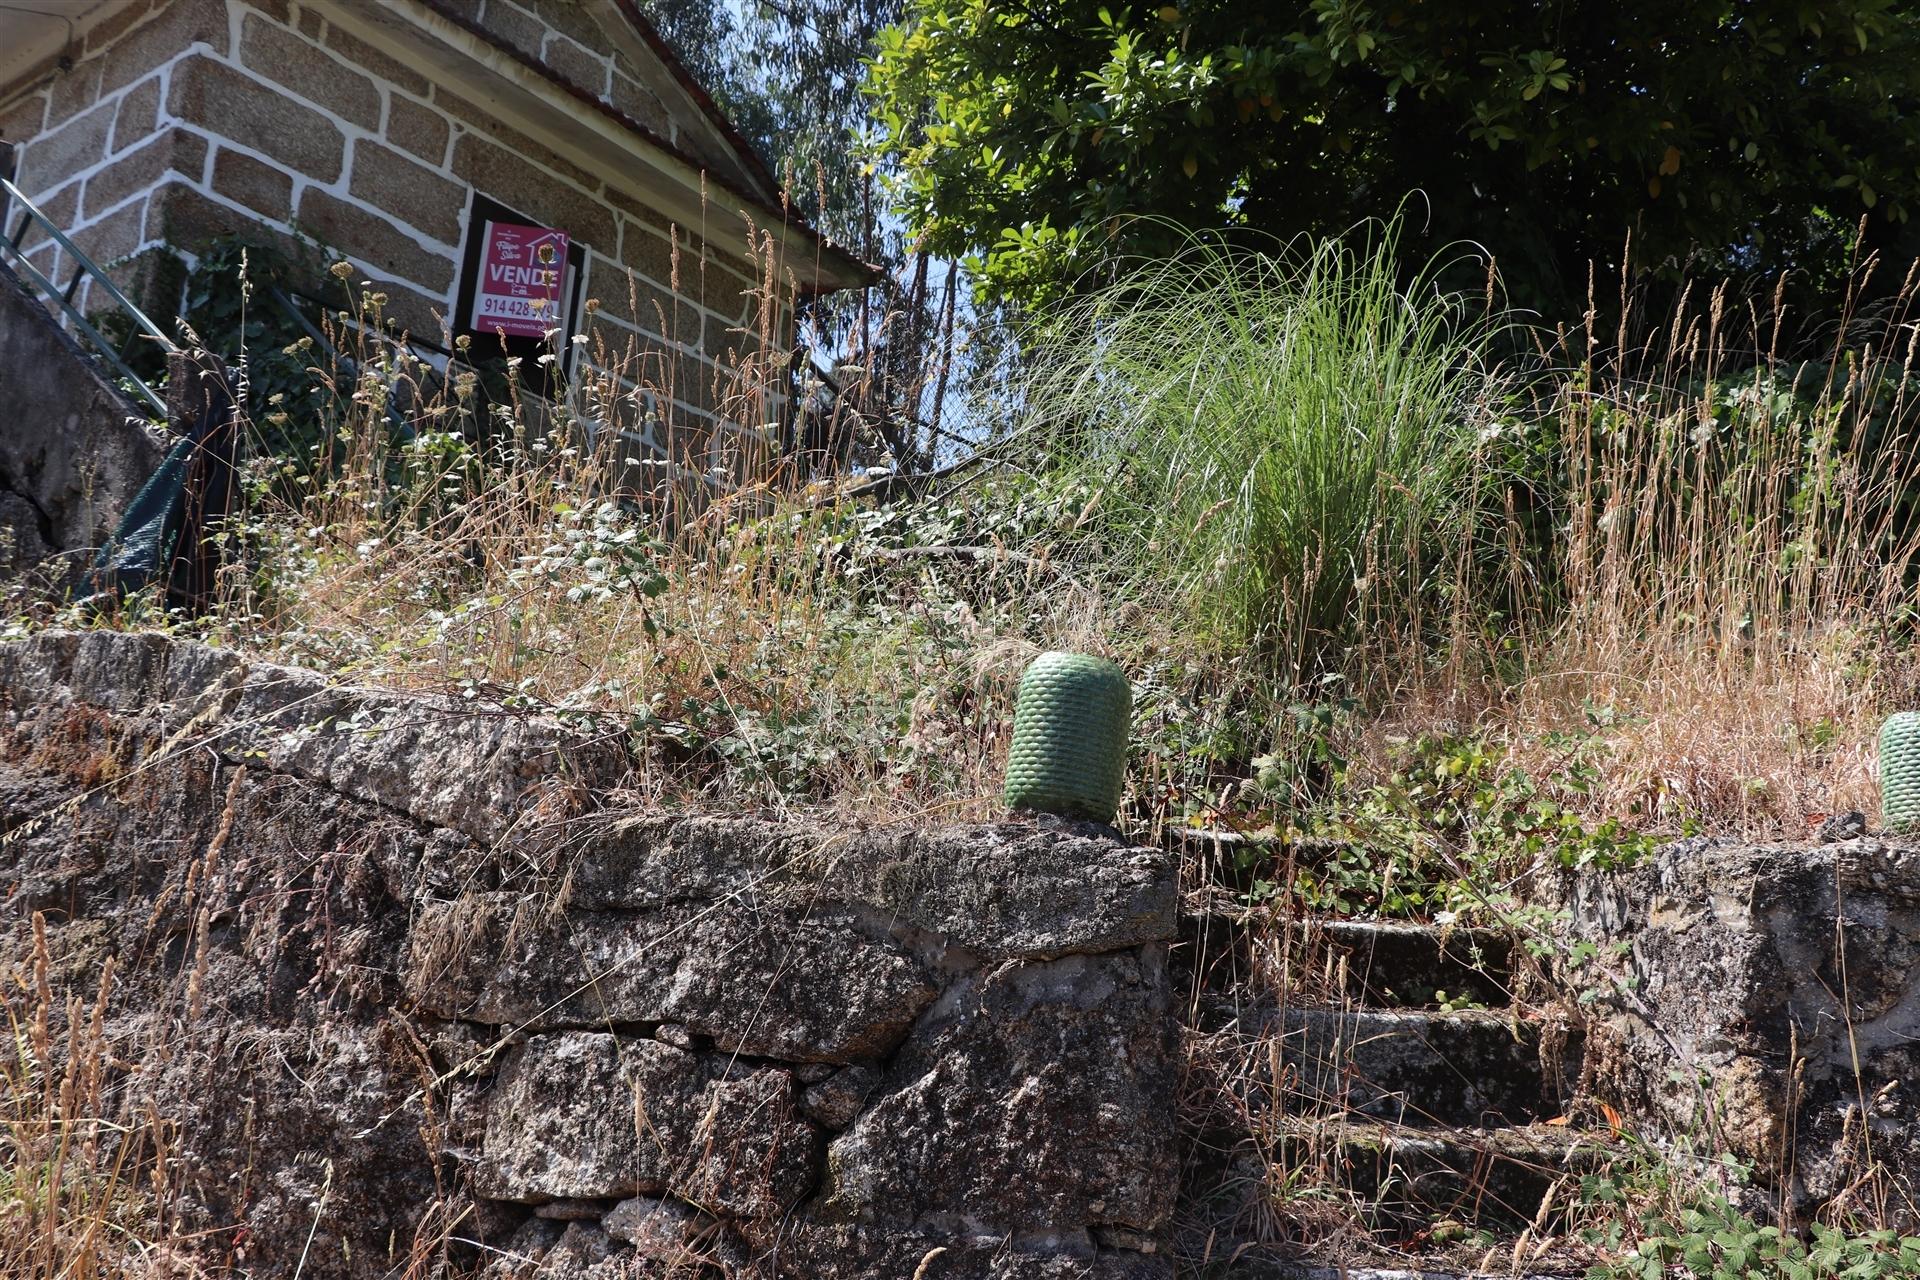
1281	444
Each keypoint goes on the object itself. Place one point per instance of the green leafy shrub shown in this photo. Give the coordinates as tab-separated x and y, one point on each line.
1452	818
1716	1241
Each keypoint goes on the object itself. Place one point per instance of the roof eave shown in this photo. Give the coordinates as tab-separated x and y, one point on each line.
834	267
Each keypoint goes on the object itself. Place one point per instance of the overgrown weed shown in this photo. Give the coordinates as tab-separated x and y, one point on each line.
1281	442
1724	557
613	558
83	1179
1662	590
1673	543
1297	496
1663	587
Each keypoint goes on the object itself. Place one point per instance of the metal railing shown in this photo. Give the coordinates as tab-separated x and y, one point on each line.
83	270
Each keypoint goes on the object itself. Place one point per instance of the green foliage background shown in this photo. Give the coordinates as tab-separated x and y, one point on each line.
1726	136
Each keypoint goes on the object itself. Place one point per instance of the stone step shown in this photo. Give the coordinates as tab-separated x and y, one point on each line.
1423	1183
1383	963
1397	964
1420	1067
1437	1200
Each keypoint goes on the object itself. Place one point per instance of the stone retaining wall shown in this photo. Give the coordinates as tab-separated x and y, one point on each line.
394	982
1762	1002
75	449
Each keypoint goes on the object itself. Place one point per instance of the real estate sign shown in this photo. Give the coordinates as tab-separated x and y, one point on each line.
522	283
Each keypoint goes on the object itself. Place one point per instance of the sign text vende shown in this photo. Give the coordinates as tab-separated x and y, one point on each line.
522	280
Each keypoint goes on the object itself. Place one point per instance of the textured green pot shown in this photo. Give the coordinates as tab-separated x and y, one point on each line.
1070	726
1900	770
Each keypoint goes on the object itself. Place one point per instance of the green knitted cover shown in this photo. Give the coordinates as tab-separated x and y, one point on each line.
1070	725
1900	770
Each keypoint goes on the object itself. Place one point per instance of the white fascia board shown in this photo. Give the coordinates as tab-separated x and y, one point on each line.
654	75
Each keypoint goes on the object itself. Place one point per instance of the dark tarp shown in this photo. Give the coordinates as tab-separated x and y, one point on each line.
165	534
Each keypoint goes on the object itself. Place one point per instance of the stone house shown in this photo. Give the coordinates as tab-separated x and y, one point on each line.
413	139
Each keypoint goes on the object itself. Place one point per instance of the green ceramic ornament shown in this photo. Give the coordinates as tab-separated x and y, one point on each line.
1070	725
1900	771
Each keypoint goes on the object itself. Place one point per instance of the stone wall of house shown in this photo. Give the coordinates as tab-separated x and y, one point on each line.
182	120
563	37
392	982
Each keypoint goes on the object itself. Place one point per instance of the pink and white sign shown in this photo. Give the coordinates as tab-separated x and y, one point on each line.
523	276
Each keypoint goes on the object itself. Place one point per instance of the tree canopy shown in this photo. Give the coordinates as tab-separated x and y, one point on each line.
1727	136
788	74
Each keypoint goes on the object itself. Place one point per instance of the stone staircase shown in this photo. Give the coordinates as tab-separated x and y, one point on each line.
1392	1094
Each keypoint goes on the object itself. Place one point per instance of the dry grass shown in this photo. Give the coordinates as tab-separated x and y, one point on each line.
1728	571
84	1183
1679	543
727	604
